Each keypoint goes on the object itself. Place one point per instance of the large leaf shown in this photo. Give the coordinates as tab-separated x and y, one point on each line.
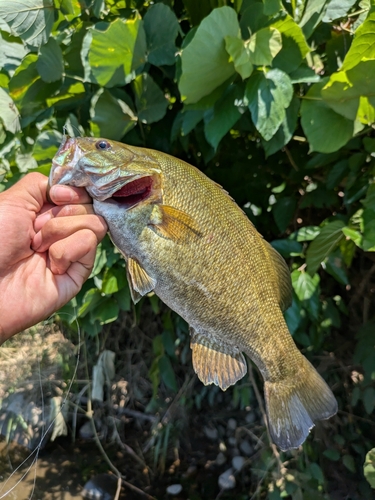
50	64
205	62
9	114
313	14
115	50
110	117
11	53
46	146
326	130
283	211
286	129
363	46
344	90
268	95
326	241
264	45
337	9
150	101
369	467
161	42
31	20
294	45
239	56
224	115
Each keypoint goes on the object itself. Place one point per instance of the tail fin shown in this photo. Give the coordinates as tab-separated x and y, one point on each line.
294	405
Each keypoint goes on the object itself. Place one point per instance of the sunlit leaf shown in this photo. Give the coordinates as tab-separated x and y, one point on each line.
205	62
31	20
363	46
264	45
304	285
9	114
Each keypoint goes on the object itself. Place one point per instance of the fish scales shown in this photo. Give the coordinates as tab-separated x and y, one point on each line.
184	237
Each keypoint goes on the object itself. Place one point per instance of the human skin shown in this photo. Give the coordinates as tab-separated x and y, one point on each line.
47	251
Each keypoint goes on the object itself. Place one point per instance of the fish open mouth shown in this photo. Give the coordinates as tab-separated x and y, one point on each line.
134	192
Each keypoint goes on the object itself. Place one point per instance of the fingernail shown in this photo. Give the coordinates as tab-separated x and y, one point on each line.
37	241
62	194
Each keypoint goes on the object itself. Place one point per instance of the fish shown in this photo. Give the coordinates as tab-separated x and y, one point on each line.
185	239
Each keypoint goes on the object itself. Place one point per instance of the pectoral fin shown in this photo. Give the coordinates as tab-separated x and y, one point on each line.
139	281
173	224
213	366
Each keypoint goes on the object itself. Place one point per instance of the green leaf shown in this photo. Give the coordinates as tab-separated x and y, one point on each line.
337	9
115	51
316	472
349	463
167	373
46	146
271	7
283	211
369	467
286	129
287	248
263	46
113	280
268	95
224	116
90	300
161	42
313	14
253	19
50	64
106	311
307	233
12	52
31	20
344	89
9	114
353	235
293	316
239	56
363	45
110	117
327	240
368	218
325	130
150	101
304	285
294	45
332	454
205	62
336	268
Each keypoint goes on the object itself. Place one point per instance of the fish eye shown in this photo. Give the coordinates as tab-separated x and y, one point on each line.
103	145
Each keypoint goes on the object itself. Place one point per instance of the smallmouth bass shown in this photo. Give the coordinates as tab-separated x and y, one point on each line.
184	238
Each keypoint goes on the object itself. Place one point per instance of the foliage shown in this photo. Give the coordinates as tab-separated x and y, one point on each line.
274	100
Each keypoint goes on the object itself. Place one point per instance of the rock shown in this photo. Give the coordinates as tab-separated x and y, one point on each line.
100	487
246	448
227	481
232	424
211	432
174	489
232	441
250	417
221	459
238	462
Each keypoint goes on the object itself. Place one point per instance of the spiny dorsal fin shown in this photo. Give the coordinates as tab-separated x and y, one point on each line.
281	276
140	282
174	224
213	366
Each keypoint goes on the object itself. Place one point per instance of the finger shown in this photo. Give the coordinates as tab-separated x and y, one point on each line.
61	195
78	248
60	228
63	211
31	188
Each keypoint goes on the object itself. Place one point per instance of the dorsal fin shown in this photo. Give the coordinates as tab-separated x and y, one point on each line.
281	276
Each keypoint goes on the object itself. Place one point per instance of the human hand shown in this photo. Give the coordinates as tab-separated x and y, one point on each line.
47	252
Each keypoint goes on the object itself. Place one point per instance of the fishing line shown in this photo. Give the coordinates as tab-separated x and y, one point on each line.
36	451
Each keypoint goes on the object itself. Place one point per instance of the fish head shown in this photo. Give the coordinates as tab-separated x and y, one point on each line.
109	170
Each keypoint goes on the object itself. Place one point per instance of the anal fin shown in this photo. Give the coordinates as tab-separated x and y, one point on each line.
140	282
213	365
174	224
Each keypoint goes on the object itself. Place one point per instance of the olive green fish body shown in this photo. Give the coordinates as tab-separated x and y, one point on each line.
184	238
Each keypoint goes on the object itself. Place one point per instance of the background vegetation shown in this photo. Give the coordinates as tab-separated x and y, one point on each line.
275	101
